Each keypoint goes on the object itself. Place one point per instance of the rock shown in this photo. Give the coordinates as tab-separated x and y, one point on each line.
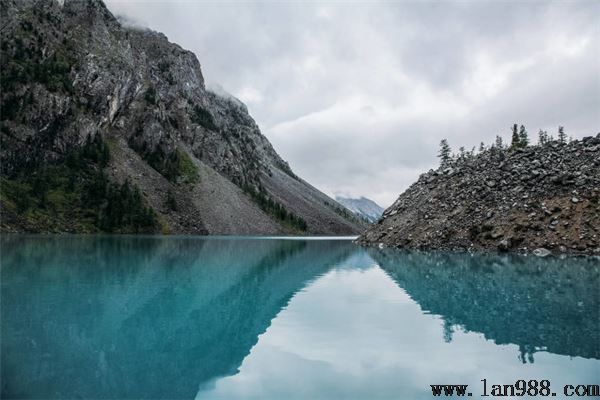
504	245
541	252
496	235
533	192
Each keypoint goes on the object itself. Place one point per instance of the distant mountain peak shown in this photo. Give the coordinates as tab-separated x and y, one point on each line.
362	206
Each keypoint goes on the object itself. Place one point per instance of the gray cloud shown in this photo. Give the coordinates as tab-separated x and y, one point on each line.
365	91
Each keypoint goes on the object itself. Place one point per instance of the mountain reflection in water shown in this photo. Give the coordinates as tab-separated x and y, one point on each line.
161	317
548	304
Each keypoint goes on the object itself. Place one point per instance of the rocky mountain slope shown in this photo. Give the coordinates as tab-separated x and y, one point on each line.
109	128
362	207
538	198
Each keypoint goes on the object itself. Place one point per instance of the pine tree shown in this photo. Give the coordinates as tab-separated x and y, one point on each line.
171	201
562	136
542	137
499	143
481	147
523	139
515	137
444	153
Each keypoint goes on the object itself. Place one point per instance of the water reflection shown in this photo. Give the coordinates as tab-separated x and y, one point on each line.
548	304
355	333
130	317
178	317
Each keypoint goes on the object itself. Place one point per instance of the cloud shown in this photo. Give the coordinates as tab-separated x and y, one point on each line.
367	91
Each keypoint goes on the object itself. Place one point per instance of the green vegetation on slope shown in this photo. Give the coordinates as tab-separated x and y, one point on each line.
203	117
275	209
181	166
177	167
76	195
25	60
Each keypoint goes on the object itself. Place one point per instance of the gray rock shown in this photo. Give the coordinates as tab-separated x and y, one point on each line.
541	252
524	188
496	234
504	245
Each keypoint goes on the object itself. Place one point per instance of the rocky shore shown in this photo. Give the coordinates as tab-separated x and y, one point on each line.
542	199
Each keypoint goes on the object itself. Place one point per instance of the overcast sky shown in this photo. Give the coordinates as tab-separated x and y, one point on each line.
357	96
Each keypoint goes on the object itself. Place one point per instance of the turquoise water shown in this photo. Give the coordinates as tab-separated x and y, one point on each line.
233	318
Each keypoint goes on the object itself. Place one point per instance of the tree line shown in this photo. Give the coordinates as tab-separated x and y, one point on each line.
76	191
275	209
519	139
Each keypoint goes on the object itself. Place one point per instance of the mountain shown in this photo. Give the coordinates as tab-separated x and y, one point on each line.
107	128
363	207
542	198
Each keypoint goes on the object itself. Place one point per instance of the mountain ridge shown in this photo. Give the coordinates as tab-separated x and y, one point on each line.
133	111
363	207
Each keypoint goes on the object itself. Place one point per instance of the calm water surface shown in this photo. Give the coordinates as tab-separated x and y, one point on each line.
233	318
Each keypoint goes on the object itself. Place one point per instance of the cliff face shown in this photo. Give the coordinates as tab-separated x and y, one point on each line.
132	110
518	200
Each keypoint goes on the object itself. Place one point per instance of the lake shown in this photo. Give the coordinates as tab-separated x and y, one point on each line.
266	318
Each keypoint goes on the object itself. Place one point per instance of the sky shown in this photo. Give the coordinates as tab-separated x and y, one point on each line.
356	96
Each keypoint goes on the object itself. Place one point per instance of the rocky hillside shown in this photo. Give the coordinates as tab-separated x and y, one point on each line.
108	128
365	208
543	199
